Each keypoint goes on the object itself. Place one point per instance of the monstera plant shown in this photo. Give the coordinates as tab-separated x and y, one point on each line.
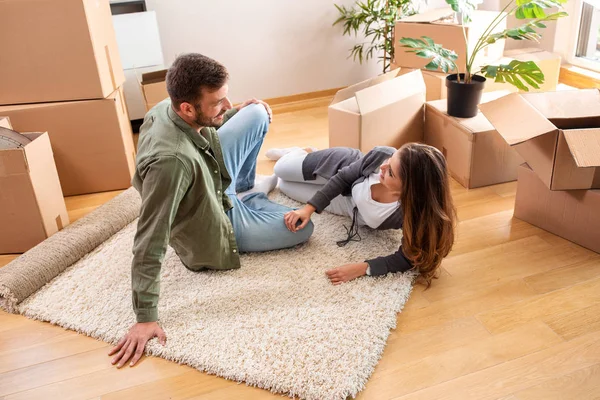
465	87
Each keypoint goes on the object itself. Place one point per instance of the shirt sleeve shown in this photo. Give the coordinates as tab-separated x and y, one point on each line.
338	184
396	262
229	114
165	181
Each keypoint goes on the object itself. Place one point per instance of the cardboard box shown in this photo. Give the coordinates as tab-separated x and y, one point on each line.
476	154
5	122
557	133
32	206
57	50
92	141
383	111
572	214
154	87
436	84
439	25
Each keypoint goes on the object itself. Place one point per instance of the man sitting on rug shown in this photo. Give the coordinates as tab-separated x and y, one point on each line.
197	188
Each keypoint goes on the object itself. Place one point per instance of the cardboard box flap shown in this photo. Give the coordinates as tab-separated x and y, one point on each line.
434	15
515	119
5	123
350	91
584	145
154	76
389	92
567	104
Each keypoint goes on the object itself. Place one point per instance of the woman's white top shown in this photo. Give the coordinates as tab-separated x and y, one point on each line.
371	212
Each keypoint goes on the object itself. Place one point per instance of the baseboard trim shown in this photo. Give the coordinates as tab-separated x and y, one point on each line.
579	77
302	97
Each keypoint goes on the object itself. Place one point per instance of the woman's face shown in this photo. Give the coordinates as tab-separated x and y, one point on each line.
388	175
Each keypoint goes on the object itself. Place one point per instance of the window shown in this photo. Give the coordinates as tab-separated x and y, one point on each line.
587	46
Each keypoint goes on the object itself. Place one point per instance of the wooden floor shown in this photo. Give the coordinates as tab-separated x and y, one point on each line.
514	315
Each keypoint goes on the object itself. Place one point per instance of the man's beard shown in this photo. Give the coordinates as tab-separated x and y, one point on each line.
204	121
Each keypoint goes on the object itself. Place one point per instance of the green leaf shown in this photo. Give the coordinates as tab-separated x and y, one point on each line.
515	73
441	58
535	9
465	7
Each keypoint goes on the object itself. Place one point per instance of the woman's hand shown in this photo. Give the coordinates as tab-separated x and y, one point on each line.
346	272
302	214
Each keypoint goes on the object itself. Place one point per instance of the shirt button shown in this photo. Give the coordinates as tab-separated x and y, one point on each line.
234	250
216	172
218	192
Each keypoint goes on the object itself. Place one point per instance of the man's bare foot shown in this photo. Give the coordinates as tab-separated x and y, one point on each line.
346	273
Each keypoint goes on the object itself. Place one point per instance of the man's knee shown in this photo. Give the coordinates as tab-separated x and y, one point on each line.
306	232
255	114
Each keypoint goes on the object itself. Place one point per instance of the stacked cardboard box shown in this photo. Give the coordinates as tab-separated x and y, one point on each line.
61	73
383	111
31	203
475	153
558	135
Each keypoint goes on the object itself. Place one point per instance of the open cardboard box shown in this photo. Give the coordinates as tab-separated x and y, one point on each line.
476	154
383	111
57	50
154	87
439	25
571	214
557	133
91	140
32	207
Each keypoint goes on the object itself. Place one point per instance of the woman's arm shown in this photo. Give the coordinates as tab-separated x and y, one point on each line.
395	262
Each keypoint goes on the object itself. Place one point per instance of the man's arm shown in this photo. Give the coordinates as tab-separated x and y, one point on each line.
165	181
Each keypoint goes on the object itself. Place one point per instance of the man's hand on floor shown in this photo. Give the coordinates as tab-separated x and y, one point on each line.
134	342
256	101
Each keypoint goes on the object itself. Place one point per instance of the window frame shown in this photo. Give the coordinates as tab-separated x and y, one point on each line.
575	16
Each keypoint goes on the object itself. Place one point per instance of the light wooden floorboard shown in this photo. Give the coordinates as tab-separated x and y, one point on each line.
514	315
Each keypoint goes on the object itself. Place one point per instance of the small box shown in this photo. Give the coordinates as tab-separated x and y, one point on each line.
475	153
439	24
57	50
154	87
91	140
556	133
383	111
571	214
32	207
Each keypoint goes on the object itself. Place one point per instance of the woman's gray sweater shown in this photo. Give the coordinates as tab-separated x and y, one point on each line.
343	168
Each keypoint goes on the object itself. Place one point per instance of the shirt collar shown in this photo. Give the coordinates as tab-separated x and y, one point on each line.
194	135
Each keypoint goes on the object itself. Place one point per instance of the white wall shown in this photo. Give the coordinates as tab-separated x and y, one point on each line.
271	48
276	48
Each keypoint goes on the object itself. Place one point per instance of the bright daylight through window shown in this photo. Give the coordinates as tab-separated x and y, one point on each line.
588	38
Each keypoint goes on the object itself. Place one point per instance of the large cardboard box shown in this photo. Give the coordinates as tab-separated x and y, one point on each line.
439	25
92	141
32	206
476	154
557	133
571	214
383	111
436	84
56	50
154	87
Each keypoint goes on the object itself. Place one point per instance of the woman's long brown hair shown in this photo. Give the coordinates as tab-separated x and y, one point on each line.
429	213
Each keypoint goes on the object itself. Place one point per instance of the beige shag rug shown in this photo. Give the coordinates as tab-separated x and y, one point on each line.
276	323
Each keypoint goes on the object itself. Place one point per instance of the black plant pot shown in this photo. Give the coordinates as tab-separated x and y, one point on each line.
463	98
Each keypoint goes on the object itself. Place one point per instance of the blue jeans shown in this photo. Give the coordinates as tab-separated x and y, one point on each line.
257	222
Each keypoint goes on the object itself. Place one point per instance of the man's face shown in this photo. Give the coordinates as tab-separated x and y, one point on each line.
212	106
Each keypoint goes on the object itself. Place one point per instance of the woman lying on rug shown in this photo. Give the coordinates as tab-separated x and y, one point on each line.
384	189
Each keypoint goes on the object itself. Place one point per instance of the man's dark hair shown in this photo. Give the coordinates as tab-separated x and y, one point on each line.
190	73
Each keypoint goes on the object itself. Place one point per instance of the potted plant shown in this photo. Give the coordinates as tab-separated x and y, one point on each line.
376	20
465	87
